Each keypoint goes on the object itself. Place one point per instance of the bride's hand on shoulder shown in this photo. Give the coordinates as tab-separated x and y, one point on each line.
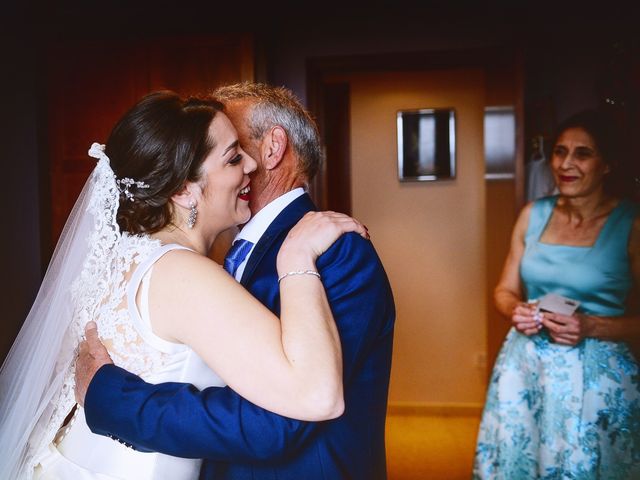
314	234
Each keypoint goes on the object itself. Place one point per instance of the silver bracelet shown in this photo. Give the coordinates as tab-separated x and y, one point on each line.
299	272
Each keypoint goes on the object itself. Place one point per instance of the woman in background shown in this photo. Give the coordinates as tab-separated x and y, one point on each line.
564	396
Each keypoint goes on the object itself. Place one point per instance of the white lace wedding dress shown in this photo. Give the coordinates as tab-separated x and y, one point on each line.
77	453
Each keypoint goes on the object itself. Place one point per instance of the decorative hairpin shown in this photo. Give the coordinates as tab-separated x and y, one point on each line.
124	184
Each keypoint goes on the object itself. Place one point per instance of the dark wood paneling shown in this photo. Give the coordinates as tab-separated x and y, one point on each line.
198	65
91	84
337	137
89	88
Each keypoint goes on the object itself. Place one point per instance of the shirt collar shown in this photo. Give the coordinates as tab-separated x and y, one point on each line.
255	228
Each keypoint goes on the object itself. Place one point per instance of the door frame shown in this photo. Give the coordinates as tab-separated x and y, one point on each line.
495	61
504	72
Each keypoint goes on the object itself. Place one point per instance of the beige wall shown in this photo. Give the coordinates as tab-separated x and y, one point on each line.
430	235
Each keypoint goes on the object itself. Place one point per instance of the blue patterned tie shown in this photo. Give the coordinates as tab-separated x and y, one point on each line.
236	255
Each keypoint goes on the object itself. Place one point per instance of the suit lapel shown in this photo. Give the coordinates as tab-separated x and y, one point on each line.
285	220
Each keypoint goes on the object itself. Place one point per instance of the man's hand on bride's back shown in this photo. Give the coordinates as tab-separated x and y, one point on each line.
316	232
91	356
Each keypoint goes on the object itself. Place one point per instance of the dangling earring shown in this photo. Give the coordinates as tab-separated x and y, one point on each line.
193	213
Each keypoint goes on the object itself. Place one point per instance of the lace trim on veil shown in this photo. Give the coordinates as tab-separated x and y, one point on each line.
86	280
87	290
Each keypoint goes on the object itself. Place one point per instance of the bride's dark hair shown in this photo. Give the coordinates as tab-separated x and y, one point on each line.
161	141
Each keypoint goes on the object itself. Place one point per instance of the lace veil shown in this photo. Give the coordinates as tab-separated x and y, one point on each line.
36	379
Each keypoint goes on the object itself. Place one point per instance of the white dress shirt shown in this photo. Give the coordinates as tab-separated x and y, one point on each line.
540	182
255	228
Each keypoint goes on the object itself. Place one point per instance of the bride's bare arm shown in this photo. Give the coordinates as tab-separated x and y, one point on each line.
291	366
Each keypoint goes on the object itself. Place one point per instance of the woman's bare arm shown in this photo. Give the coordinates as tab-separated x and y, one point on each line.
508	293
291	366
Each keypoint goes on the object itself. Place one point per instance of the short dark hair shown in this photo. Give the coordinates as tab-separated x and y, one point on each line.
161	141
609	142
598	127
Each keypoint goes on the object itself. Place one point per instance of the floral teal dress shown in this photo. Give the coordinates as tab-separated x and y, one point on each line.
560	412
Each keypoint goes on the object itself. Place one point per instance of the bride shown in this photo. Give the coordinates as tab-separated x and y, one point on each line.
132	257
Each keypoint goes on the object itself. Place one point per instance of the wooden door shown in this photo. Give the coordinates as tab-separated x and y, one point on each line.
329	92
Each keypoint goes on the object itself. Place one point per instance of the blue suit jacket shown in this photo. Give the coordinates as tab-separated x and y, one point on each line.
239	440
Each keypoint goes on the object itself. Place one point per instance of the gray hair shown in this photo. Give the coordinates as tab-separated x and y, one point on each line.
278	106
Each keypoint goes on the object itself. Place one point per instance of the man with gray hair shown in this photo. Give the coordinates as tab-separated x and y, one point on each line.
238	439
